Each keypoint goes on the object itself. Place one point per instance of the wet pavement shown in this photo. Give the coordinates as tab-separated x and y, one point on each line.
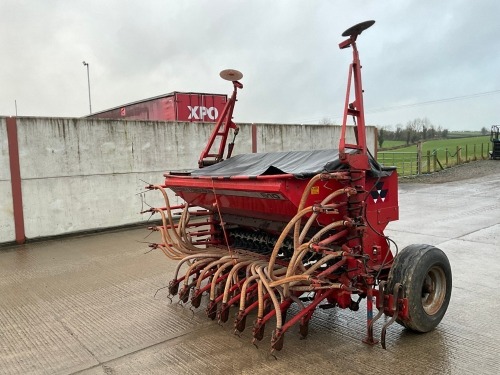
87	305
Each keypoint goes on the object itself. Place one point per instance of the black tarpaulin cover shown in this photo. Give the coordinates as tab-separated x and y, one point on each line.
299	163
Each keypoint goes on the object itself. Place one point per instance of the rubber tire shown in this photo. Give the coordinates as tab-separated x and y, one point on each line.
410	268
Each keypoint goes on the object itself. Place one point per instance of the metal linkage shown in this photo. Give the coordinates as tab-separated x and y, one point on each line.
359	159
270	278
223	125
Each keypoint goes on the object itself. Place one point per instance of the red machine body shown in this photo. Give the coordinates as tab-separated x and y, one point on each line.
270	202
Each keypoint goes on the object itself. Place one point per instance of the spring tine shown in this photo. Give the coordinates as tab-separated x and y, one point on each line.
395	308
380	301
380	307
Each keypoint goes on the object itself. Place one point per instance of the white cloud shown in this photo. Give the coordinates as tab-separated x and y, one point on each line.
294	72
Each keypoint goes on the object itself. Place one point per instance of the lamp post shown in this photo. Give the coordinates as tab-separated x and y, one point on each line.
88	80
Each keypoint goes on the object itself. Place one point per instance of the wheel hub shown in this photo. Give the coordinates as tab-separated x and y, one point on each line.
433	290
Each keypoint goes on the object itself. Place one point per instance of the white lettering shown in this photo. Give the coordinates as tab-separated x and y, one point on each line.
212	113
193	112
203	112
199	112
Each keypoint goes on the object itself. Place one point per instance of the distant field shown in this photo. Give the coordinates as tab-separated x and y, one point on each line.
474	137
464	134
389	144
406	158
451	144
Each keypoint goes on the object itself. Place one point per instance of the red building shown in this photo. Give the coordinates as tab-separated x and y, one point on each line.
175	106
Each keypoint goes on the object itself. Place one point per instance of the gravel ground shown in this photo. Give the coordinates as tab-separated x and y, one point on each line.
466	171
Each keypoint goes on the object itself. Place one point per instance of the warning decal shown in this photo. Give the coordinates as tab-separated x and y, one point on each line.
379	193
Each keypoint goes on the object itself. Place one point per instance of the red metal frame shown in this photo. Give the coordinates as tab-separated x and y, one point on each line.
358	160
221	130
15	174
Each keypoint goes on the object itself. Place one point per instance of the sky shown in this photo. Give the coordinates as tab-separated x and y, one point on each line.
422	58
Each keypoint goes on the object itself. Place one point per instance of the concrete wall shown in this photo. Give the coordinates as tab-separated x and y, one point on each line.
274	137
83	174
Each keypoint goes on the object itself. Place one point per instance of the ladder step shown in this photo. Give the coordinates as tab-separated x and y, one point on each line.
357	147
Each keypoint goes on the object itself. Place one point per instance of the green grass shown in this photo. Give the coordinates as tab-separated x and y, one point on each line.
445	149
441	145
464	134
389	144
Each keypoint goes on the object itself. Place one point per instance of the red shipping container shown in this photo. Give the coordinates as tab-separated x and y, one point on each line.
176	106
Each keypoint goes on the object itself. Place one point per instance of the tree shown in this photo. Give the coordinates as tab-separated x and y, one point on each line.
431	132
444	133
381	137
399	133
415	128
326	121
412	132
484	131
408	135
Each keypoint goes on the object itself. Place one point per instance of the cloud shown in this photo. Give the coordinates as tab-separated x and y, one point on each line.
288	51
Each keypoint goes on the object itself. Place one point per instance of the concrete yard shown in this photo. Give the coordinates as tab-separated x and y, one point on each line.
87	305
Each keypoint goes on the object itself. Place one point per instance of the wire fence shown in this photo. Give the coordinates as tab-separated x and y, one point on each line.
419	162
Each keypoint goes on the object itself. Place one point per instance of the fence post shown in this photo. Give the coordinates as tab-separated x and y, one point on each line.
428	161
419	158
446	151
482	149
475	158
434	161
458	155
466	153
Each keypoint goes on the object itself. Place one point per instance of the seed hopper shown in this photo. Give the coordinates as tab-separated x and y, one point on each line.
260	233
